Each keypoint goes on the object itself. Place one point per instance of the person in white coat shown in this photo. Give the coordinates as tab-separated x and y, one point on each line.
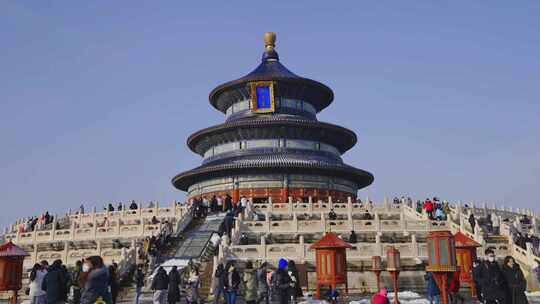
36	294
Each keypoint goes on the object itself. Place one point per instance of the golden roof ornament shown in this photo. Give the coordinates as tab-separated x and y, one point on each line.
269	41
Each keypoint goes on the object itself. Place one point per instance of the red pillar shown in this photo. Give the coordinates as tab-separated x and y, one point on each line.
285	194
236	195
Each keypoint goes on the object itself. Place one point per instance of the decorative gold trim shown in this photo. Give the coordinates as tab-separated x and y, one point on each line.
254	106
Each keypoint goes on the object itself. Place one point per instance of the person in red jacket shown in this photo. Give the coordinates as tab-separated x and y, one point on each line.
455	297
428	206
381	297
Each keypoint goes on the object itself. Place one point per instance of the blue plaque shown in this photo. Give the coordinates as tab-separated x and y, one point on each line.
262	97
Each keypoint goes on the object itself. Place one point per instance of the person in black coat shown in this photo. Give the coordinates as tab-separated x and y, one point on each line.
353	238
494	287
54	283
517	284
160	286
296	289
477	268
173	295
113	283
228	203
281	282
231	283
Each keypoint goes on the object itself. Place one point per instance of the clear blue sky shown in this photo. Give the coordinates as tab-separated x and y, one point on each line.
98	97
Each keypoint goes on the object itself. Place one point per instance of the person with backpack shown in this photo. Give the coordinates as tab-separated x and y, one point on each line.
36	294
281	282
54	284
160	285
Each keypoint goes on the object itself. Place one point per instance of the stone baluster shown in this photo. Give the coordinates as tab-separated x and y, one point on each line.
403	222
295	222
377	221
290	204
267	222
378	245
65	253
263	246
415	247
35	253
98	247
302	248
323	220
330	203
270	205
310	205
53	230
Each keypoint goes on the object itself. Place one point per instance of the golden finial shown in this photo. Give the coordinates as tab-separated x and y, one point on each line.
269	40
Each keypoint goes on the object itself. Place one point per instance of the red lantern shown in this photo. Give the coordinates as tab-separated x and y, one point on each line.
331	261
11	267
393	265
441	259
376	267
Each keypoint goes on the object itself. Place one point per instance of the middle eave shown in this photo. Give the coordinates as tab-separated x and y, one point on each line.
272	127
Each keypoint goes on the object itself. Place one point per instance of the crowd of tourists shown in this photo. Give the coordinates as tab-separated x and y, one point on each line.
257	284
33	223
87	282
495	283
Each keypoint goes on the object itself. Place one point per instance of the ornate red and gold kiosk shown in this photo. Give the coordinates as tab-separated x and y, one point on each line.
331	261
441	259
465	255
11	268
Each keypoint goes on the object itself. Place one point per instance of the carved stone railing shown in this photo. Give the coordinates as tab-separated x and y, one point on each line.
343	226
101	229
301	252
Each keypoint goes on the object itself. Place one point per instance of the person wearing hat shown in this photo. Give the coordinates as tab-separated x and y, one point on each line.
281	282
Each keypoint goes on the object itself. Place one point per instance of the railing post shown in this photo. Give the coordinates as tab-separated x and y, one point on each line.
295	222
378	245
310	205
66	250
290	204
267	223
414	243
377	221
330	202
302	247
53	230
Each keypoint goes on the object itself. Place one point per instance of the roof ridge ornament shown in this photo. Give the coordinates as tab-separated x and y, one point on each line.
269	41
270	53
